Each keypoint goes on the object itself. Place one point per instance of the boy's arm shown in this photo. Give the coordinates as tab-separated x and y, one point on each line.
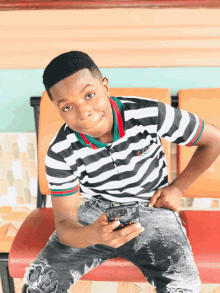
65	213
207	152
72	233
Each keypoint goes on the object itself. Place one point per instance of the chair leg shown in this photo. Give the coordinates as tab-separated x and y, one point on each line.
7	280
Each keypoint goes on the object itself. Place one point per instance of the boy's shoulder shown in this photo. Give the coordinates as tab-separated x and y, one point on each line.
133	102
62	138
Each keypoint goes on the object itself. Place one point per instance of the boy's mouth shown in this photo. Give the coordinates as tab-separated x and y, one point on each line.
96	124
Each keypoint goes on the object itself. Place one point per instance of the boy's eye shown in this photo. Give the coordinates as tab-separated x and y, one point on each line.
67	108
90	96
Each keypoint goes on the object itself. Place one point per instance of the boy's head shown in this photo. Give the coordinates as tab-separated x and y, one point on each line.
67	64
75	85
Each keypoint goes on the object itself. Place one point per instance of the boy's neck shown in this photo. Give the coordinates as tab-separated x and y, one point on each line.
108	138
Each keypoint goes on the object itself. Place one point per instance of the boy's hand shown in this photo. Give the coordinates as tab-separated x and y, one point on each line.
168	197
102	232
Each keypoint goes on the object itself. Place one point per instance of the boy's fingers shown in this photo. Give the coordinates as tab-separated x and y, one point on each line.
133	234
110	227
104	216
103	219
159	204
154	198
129	230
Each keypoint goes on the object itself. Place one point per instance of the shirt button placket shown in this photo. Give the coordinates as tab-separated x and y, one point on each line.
114	162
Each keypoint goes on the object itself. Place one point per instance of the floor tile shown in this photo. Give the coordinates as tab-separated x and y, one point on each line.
146	287
113	287
81	287
104	287
130	287
216	290
209	288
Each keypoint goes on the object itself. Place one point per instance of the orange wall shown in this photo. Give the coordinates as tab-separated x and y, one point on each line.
112	37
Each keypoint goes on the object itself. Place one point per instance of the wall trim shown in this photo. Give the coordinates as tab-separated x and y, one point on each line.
86	4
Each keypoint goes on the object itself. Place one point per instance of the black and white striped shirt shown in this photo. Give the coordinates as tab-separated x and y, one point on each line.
133	166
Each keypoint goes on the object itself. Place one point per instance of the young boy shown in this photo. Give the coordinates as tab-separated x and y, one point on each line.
112	147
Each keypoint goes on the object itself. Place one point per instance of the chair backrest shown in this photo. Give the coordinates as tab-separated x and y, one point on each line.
206	104
50	122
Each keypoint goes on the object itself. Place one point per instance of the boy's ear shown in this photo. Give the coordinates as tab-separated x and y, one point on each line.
105	80
105	84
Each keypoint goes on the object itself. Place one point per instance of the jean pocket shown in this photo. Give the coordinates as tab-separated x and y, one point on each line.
88	214
179	220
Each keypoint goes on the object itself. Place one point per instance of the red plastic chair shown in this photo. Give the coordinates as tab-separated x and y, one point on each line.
203	227
39	225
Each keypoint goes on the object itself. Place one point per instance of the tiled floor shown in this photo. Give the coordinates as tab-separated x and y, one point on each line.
114	287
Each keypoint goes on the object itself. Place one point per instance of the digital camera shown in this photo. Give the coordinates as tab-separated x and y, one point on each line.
126	214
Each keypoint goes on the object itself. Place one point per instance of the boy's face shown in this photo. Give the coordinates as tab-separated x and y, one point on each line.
83	104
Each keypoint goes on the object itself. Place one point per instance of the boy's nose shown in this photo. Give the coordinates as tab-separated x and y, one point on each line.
84	112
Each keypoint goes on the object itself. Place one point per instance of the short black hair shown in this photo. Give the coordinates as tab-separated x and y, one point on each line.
67	64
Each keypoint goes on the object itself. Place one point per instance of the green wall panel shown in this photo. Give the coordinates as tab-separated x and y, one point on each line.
18	85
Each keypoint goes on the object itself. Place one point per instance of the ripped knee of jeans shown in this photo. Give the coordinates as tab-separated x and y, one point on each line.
38	280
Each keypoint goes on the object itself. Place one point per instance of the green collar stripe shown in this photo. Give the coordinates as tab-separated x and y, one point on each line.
120	127
86	139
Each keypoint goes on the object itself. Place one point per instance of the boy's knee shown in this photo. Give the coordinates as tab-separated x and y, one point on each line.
38	281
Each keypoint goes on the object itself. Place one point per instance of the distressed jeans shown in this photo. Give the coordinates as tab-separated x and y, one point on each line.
162	252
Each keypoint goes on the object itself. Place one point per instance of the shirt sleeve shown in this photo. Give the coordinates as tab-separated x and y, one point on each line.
61	178
178	126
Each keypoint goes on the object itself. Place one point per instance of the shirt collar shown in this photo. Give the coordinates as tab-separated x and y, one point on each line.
118	126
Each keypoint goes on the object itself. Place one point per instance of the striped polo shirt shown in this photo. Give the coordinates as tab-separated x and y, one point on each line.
133	166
